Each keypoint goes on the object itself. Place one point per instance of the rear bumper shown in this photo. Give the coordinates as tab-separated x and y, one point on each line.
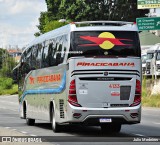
94	120
91	116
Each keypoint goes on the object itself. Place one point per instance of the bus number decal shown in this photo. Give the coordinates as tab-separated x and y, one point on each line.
114	85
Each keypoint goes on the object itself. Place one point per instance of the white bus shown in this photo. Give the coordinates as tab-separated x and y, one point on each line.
153	60
85	73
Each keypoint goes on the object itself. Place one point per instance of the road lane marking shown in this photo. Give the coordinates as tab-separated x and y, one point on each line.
3	107
156	123
8	127
138	134
151	109
150	114
9	109
10	96
9	102
24	132
32	135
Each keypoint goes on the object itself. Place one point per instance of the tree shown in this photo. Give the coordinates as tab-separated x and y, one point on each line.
79	10
88	10
126	10
43	19
7	64
1	57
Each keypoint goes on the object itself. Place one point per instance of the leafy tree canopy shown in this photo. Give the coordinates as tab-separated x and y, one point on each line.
87	10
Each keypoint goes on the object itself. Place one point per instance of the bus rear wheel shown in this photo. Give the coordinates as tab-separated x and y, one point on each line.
56	127
30	122
111	128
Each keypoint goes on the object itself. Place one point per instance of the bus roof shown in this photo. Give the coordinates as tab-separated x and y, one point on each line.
86	26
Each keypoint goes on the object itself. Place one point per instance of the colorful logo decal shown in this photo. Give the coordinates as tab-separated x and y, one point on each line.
31	80
105	40
114	85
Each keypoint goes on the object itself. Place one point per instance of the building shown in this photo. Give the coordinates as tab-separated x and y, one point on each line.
15	53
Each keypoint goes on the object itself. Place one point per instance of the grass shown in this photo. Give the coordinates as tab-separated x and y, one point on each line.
7	86
151	101
13	90
148	99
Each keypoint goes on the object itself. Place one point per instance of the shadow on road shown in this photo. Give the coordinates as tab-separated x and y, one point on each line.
80	130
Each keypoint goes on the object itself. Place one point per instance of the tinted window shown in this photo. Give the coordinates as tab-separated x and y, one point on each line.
158	56
45	61
110	43
61	48
28	60
51	54
59	53
34	55
150	55
39	55
64	46
144	57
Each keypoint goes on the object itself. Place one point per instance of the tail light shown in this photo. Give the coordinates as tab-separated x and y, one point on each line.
72	97
137	98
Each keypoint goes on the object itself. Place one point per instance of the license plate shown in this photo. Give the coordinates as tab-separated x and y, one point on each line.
104	120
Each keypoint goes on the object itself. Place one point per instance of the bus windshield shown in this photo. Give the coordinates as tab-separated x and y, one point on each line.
144	57
158	56
150	56
110	43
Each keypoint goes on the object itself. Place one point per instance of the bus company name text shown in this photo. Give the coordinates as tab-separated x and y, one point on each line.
131	64
45	79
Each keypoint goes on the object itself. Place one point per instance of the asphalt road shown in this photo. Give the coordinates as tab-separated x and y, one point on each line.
149	127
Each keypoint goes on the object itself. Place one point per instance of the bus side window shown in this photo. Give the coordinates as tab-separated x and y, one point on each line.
58	55
51	52
27	63
34	54
45	61
59	58
39	55
23	70
64	47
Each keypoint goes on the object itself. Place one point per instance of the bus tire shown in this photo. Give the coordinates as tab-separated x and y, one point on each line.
30	122
55	127
111	128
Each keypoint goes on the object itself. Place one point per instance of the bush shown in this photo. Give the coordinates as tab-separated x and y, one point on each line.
6	83
12	91
148	99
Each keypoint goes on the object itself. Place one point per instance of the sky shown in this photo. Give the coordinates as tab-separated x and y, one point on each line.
18	20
